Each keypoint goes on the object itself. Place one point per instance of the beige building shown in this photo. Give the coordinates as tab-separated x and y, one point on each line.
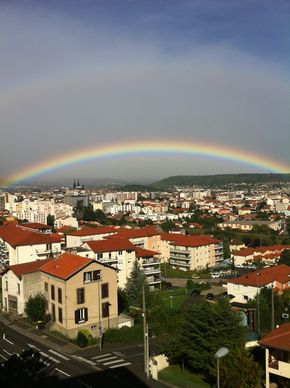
81	294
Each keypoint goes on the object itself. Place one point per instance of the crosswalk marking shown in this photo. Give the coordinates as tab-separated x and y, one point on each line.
58	354
106	359
113	362
102	355
120	365
50	358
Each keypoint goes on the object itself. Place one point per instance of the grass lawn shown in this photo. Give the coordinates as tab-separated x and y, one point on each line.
178	297
168	272
174	375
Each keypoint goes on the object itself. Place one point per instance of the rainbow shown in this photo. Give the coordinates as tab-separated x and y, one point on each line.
143	148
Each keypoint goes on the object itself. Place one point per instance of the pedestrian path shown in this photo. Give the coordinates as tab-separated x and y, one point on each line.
111	360
51	357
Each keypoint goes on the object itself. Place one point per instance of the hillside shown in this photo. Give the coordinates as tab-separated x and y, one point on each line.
220	179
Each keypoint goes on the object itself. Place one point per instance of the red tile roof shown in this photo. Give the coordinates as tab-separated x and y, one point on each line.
93	231
140	252
36	225
17	236
25	268
189	241
102	246
266	276
278	338
148	231
65	266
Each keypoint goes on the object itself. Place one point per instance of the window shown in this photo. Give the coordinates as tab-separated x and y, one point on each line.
52	291
81	315
60	315
92	276
105	309
52	312
18	288
45	287
246	297
99	255
59	295
6	285
105	290
80	295
120	252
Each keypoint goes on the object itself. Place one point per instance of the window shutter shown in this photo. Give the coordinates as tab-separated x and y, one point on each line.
76	316
86	314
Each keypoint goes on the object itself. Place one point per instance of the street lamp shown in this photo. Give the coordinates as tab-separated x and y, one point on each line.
219	354
258	301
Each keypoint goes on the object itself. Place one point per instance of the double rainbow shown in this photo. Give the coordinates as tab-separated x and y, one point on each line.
144	148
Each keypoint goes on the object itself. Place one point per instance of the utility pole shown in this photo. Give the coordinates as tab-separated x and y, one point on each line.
273	308
147	351
144	332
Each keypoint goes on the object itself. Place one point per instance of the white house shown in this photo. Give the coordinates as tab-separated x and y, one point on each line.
20	245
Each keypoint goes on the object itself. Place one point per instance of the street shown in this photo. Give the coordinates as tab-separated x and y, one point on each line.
87	367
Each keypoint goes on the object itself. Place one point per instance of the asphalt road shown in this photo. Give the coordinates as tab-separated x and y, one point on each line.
87	368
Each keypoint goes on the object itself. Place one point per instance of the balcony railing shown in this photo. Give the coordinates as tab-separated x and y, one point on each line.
150	262
180	257
179	263
152	271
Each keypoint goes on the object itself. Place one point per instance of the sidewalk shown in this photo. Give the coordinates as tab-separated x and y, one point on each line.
40	336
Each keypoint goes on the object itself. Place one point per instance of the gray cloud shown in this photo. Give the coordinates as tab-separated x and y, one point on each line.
66	87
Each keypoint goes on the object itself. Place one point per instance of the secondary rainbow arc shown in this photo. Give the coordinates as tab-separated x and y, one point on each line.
141	148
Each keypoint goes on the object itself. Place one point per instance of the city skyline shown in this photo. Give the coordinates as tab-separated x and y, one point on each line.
80	75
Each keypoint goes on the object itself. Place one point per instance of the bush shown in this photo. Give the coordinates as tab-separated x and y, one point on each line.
83	338
35	308
125	334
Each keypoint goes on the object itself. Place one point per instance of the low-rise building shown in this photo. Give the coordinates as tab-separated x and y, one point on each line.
81	294
78	237
248	286
277	352
20	245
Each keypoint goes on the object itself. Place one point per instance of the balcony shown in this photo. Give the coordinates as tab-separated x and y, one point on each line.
151	271
180	256
112	260
279	368
150	262
179	263
178	250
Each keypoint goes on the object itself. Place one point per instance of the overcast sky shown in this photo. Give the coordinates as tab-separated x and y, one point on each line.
81	73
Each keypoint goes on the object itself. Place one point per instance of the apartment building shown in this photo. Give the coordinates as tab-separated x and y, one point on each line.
267	254
122	254
81	294
248	225
20	245
78	237
195	252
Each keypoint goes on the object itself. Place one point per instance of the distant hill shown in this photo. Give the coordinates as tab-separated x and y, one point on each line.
136	187
220	179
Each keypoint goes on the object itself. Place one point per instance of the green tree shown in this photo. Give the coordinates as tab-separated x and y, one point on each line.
100	216
285	257
50	220
89	214
204	329
134	286
35	308
239	370
26	370
167	225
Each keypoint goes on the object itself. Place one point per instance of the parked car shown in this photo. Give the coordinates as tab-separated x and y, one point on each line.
209	296
195	292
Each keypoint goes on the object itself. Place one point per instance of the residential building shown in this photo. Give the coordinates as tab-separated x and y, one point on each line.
19	282
248	225
277	352
195	252
248	286
78	237
81	294
269	255
20	245
122	254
